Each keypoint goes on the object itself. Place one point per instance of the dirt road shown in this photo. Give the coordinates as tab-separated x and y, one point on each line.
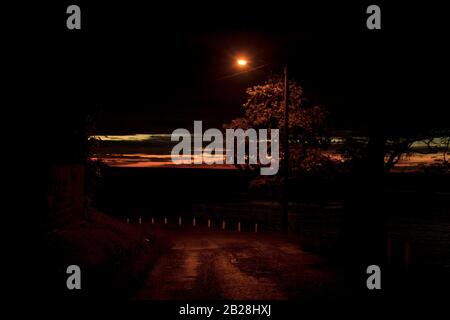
229	265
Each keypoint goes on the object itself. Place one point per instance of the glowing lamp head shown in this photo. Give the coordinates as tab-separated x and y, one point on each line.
242	62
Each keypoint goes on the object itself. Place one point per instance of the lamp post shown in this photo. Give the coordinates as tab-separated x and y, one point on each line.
284	212
242	62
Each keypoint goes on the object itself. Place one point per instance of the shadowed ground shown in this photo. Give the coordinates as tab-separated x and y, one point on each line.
202	264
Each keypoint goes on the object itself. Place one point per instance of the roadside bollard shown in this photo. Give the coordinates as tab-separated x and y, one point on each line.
209	223
256	227
179	221
223	225
193	222
140	220
153	221
239	227
165	220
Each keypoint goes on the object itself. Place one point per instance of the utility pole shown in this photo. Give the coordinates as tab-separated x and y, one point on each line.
284	213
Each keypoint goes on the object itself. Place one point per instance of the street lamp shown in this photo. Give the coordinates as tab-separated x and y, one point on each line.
284	213
242	62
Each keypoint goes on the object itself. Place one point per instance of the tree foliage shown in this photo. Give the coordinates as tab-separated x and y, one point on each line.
401	147
264	109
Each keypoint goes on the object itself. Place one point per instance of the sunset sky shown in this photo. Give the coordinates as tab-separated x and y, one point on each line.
141	74
153	150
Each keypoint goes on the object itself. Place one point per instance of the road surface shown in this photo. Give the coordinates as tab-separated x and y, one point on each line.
202	264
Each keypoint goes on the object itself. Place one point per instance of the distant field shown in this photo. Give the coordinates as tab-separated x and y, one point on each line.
416	206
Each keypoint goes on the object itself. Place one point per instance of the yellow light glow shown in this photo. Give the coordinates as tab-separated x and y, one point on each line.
242	62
